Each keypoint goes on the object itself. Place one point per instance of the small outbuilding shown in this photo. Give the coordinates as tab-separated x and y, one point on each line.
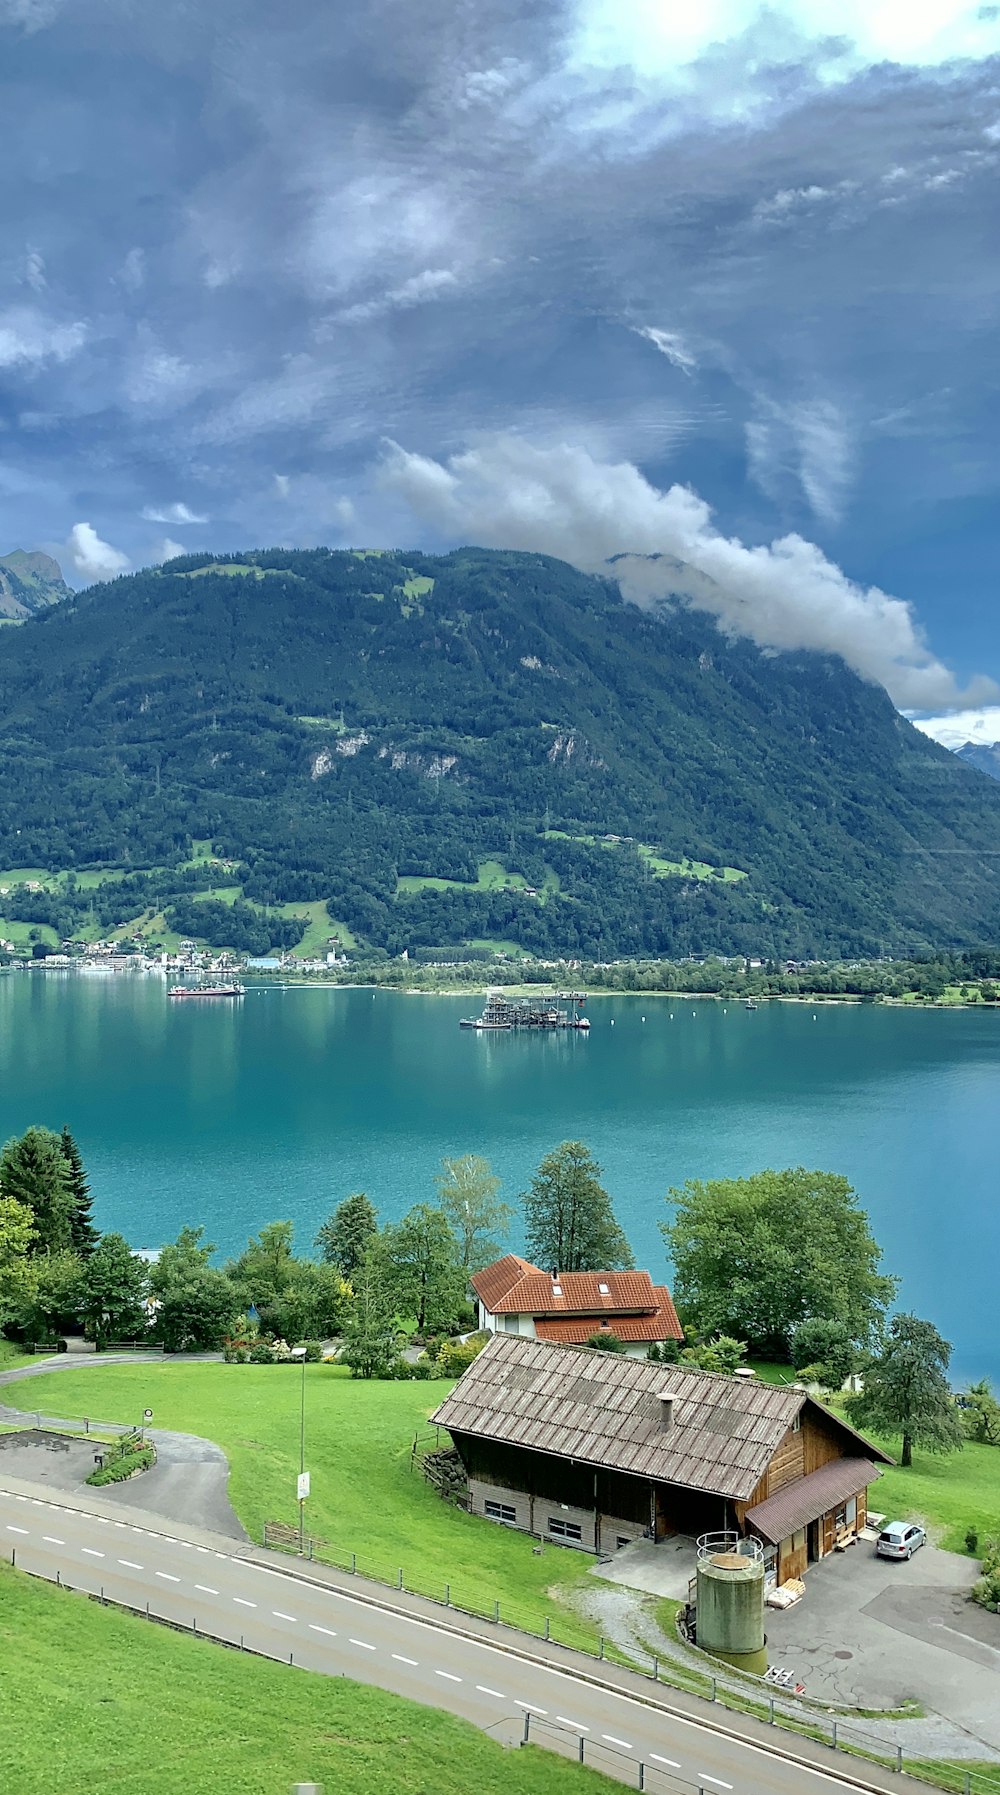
594	1450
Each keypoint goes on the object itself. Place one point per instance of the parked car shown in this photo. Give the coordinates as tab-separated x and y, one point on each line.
900	1539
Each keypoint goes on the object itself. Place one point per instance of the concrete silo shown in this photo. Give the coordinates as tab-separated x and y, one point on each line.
730	1600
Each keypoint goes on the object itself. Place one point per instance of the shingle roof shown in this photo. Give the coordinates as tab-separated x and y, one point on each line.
568	1330
513	1287
604	1409
810	1497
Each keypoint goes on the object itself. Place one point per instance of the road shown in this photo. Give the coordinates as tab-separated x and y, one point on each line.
278	1610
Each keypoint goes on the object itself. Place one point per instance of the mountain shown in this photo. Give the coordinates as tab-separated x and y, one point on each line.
474	747
984	755
29	582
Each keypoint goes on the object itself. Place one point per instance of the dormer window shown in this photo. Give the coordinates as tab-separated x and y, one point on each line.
605	1289
557	1290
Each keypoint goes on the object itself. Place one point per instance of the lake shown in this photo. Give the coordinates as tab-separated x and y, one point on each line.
233	1115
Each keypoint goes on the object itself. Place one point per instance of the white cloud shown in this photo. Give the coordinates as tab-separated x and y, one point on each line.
807	441
93	558
508	493
671	344
178	513
430	284
133	270
30	15
166	551
282	485
344	513
27	339
34	271
981	725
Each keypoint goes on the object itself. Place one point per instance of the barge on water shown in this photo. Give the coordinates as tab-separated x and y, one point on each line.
205	991
502	1012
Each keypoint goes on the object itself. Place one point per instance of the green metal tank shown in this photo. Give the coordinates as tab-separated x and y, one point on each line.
730	1600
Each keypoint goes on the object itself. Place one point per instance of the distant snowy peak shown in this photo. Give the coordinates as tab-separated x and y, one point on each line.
984	755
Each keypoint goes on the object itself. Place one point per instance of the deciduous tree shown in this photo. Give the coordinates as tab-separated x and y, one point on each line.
371	1344
981	1414
196	1303
757	1257
115	1283
569	1221
17	1234
425	1278
906	1390
468	1193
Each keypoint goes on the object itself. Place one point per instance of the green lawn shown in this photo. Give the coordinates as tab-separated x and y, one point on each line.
94	1699
365	1499
949	1494
319	928
492	876
11	1356
660	868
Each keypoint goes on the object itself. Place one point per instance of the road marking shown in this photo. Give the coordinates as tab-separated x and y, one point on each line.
401	1660
363	1643
276	1612
243	1603
50	1540
658	1760
530	1707
717	1780
578	1727
313	1628
186	1544
11	1529
449	1676
483	1690
130	1564
201	1549
206	1589
92	1552
610	1737
167	1577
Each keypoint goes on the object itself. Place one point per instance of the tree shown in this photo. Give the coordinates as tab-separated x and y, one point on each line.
262	1272
314	1304
371	1345
196	1304
115	1283
344	1237
425	1276
52	1301
17	1234
606	1341
758	1256
906	1390
981	1415
723	1353
84	1234
569	1219
826	1348
467	1193
33	1170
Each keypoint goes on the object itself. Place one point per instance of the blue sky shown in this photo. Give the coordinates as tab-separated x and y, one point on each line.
576	277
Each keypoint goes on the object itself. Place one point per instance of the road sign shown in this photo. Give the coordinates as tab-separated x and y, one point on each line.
302	1485
147	1414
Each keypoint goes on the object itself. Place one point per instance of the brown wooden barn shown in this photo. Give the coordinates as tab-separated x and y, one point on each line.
595	1450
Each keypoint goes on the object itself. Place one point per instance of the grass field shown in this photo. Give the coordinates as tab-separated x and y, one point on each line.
151	1712
492	876
365	1498
660	868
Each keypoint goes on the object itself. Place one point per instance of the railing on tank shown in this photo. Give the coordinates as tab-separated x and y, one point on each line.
714	1545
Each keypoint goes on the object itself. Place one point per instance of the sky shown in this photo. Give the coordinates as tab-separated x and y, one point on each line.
715	289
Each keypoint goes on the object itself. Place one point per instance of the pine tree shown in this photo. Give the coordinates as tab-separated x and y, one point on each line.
34	1172
85	1235
346	1235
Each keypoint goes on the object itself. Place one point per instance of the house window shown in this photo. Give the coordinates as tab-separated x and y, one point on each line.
605	1289
557	1290
512	1323
500	1511
852	1512
560	1529
840	1518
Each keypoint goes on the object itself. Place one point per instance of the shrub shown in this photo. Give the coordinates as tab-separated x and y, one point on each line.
606	1341
972	1540
456	1356
121	1468
314	1351
261	1353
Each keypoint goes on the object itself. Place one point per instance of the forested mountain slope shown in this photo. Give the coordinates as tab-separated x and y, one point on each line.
28	583
984	755
439	746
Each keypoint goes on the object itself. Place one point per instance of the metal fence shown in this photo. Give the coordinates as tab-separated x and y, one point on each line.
751	1696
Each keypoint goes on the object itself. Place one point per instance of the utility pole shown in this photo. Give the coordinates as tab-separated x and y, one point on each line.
302	1487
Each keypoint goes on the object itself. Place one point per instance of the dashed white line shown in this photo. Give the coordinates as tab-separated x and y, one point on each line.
448	1675
530	1706
11	1529
363	1643
578	1727
610	1737
672	1762
167	1576
704	1777
50	1540
313	1628
401	1660
278	1615
92	1552
242	1602
483	1690
206	1589
130	1564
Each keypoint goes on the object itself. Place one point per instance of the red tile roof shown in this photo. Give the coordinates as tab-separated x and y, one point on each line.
567	1330
513	1287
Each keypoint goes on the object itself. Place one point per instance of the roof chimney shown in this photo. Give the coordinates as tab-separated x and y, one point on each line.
667	1400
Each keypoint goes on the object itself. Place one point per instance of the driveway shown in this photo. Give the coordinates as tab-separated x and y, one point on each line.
873	1633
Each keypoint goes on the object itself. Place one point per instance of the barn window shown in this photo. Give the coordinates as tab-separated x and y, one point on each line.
500	1511
560	1529
797	1424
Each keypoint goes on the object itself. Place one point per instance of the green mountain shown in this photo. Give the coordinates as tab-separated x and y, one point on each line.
475	747
984	755
29	583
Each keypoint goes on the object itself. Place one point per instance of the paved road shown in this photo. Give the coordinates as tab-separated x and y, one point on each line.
228	1593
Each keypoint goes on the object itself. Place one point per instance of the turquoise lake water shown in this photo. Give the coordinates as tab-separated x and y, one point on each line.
234	1115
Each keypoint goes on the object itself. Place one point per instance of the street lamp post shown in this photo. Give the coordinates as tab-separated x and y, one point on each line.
299	1352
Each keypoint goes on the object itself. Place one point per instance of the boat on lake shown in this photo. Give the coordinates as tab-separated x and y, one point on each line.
502	1013
205	991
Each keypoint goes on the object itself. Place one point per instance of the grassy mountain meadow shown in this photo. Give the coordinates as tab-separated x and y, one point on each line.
476	747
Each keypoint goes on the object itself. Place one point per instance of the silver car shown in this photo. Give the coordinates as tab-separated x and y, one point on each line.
900	1539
